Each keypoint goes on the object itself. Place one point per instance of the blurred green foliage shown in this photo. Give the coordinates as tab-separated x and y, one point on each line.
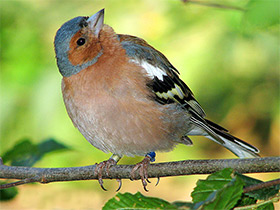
26	153
262	14
229	58
8	194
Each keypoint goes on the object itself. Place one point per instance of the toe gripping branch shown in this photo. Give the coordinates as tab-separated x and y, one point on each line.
113	160
143	169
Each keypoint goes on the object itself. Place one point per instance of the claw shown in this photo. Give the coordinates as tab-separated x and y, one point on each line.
142	166
158	179
101	184
99	169
120	184
145	188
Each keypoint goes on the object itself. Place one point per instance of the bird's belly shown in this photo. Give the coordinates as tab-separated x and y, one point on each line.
123	128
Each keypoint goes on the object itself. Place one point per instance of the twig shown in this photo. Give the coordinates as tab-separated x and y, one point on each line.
21	182
261	185
216	5
187	167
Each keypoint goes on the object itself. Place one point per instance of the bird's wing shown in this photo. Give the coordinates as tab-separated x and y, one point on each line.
165	81
169	88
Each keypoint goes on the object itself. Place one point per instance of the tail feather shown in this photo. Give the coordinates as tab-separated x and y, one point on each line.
214	125
221	136
239	147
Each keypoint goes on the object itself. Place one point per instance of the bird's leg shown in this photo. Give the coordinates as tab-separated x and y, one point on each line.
113	160
143	166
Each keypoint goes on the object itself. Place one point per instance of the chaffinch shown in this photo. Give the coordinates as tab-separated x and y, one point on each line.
126	98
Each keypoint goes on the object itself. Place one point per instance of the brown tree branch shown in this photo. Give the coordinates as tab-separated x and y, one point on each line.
213	4
187	167
261	185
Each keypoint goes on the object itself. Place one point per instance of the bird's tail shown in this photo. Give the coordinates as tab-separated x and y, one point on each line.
234	144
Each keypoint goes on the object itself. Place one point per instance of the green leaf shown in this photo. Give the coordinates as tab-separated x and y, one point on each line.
213	182
183	205
20	152
25	153
8	194
262	13
136	201
262	194
221	190
245	200
51	145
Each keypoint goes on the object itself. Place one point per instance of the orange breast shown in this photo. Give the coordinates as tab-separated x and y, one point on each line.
110	104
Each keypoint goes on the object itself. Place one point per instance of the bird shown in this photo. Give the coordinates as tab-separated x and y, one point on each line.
126	98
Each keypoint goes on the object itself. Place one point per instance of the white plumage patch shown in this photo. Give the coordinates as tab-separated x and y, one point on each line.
152	71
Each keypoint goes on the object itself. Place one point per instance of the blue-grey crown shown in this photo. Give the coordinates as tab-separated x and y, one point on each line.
61	44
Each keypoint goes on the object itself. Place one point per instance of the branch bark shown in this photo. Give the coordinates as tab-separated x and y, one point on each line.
187	167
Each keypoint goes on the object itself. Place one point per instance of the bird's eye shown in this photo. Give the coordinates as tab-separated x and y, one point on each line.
81	41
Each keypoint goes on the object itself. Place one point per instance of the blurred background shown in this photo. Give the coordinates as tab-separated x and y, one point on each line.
229	59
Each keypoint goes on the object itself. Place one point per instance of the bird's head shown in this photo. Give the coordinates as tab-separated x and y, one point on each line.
77	43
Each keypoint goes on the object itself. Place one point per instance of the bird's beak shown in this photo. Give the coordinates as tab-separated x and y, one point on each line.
96	22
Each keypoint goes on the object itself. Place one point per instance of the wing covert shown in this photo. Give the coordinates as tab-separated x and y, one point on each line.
165	81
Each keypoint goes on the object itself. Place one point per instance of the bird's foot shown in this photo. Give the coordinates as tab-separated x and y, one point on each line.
143	166
100	168
105	165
